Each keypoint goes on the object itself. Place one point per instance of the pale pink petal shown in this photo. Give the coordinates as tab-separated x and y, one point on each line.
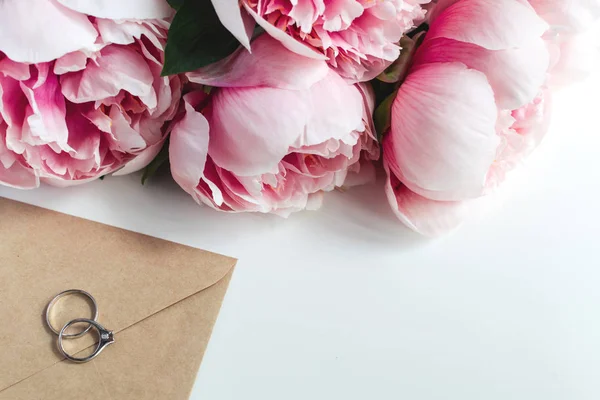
62	183
314	201
168	96
125	32
269	64
235	20
18	176
42	30
304	14
425	216
383	10
568	15
118	68
339	14
516	74
366	174
119	9
253	128
493	24
129	140
15	70
368	95
526	128
285	39
188	148
209	192
142	159
337	110
443	135
578	57
436	7
13	173
71	62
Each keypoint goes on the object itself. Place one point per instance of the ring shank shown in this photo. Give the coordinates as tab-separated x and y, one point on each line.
53	302
92	324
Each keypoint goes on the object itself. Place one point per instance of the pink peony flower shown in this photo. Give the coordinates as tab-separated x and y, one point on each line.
358	38
281	130
472	107
81	95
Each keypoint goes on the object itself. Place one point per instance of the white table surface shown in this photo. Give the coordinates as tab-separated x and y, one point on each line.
347	304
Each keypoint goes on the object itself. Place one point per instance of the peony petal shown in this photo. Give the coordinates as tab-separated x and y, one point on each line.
188	148
13	110
213	197
578	57
62	183
18	177
128	139
337	110
233	192
339	15
443	133
253	128
41	30
289	42
142	159
425	216
124	32
168	96
12	173
526	128
71	62
235	20
269	64
118	9
118	68
314	201
568	16
15	70
516	74
49	112
368	94
492	24
438	8
84	139
366	174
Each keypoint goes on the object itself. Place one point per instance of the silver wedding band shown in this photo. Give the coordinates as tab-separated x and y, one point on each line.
105	336
67	293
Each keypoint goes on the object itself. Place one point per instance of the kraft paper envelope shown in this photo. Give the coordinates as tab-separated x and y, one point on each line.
161	299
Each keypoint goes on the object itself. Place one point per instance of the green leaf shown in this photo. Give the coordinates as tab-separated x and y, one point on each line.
397	71
196	38
159	161
382	90
258	30
176	4
383	115
424	27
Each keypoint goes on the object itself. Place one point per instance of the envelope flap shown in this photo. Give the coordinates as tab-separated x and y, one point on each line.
132	277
